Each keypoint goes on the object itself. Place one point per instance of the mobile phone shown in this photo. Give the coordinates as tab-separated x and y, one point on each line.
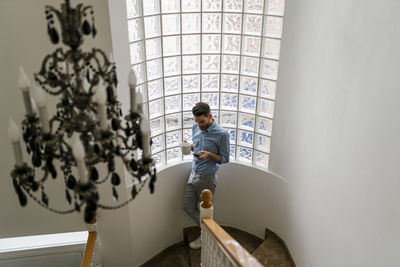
196	155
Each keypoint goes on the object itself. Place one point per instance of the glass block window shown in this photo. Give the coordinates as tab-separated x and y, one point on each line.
223	52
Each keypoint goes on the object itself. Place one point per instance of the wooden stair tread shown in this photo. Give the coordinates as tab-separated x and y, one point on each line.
270	253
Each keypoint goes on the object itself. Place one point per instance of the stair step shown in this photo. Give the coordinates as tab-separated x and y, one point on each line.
271	253
175	255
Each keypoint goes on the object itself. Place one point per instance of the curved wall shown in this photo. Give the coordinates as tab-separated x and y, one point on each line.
246	198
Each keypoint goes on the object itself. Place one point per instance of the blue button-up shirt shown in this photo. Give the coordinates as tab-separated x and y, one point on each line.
214	139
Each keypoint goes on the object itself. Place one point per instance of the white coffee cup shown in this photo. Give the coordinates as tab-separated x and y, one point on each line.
186	148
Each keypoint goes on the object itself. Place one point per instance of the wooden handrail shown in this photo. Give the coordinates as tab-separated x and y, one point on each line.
87	257
233	249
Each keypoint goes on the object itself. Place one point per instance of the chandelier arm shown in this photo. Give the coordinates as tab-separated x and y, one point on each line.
104	180
47	207
106	207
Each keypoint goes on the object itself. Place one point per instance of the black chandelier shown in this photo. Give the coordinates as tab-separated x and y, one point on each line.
79	135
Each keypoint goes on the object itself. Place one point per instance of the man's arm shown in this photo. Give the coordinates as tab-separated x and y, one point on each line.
206	154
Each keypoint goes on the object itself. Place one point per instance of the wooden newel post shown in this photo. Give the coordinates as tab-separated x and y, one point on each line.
92	255
206	205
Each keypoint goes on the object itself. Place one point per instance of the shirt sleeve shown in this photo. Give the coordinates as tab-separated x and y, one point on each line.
224	148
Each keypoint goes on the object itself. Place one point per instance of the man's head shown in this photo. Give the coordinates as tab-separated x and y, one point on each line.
202	115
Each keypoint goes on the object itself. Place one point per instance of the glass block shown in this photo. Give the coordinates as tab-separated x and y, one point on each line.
232	136
233	5
187	135
154	69
191	83
190	5
273	27
133	8
210	82
174	155
228	118
171	24
152	26
229	101
253	24
253	6
151	7
229	83
210	63
135	29
170	6
248	85
157	143
171	45
245	138
276	7
172	104
271	48
155	89
153	48
250	66
230	64
156	108
157	126
263	143
244	154
262	159
137	52
211	5
142	89
215	115
232	23
251	45
211	22
211	99
188	120
267	89
159	159
264	125
247	103
139	70
265	107
189	100
231	44
211	43
173	121
269	69
172	66
174	139
191	23
247	121
190	44
172	85
190	64
232	153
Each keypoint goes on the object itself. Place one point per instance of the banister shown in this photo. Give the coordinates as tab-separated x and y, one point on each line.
87	257
230	247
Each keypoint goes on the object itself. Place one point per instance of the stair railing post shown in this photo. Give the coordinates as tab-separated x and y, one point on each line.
206	211
96	260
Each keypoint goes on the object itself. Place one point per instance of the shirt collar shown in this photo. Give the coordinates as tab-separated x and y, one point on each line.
211	128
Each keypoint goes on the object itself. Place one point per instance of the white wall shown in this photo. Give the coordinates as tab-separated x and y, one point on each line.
336	131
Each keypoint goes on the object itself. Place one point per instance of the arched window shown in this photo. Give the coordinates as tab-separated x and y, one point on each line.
223	52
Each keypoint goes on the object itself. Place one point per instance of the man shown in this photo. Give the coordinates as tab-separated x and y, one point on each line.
211	145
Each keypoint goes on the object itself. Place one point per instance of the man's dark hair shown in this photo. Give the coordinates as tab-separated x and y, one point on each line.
201	109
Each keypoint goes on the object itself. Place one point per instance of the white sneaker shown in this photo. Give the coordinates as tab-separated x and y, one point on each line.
196	244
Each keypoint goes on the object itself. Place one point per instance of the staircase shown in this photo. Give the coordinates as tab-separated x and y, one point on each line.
271	251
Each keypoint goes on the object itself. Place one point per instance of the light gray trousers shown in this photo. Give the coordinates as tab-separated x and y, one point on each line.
195	185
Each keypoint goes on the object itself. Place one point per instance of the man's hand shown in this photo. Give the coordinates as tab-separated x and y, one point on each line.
205	155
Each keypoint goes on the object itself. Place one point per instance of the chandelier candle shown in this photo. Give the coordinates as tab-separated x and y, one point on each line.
15	136
101	99
79	154
145	130
24	85
132	85
40	100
